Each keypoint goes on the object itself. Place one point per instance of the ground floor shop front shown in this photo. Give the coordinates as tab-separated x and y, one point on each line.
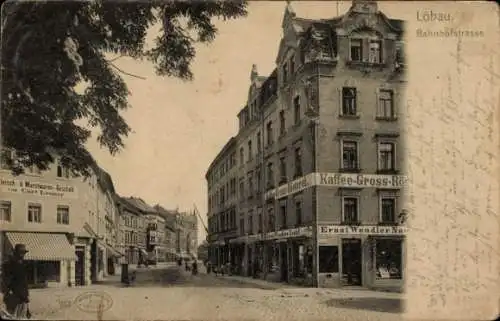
368	256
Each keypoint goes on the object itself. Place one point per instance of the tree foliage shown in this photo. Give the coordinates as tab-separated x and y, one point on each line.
48	48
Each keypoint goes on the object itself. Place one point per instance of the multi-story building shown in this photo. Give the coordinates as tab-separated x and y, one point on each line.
58	217
222	182
321	137
133	227
155	232
186	225
170	233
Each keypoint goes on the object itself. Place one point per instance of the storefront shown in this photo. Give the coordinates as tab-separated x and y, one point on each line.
50	259
291	256
369	256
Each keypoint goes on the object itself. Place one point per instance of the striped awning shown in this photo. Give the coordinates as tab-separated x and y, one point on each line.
43	246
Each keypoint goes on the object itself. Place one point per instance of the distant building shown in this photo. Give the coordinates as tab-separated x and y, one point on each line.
133	227
170	233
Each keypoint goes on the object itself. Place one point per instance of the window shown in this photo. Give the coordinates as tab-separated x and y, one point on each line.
5	211
285	73
62	171
35	213
63	215
242	188
242	156
271	219
292	65
298	212
388	209
259	146
298	162
328	259
349	155
242	226
296	110
269	129
283	177
250	223
350	209
259	222
282	123
356	51
400	57
258	173
375	55
232	186
6	159
386	104
386	156
250	185
270	175
388	258
283	216
349	101
249	150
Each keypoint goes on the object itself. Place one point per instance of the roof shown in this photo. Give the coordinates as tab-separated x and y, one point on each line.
230	143
141	205
129	206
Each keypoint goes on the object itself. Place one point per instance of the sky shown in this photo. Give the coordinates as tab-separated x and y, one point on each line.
179	127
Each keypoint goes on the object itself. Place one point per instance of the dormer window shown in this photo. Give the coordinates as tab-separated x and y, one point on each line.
356	50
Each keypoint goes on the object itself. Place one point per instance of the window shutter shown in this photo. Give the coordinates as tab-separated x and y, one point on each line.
349	49
377	103
395	102
383	43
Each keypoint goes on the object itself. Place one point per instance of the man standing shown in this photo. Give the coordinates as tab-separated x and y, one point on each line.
15	283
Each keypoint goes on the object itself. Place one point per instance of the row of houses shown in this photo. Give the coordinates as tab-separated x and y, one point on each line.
310	189
78	229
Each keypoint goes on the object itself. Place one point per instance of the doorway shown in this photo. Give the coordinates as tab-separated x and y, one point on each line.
284	262
80	266
351	261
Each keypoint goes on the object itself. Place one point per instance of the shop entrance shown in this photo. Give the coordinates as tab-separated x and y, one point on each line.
283	262
80	266
351	261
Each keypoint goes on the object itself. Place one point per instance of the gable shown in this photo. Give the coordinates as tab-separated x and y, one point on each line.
355	22
289	41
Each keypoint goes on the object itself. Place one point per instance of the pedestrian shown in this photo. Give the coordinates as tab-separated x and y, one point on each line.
15	283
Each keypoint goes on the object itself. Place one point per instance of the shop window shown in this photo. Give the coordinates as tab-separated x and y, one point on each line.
388	259
328	259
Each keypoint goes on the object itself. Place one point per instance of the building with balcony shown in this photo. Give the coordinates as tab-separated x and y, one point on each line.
320	154
61	218
222	178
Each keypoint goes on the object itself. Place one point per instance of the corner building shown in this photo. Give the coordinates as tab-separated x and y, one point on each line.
321	155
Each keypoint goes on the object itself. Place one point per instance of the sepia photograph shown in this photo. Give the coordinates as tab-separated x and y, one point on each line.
248	160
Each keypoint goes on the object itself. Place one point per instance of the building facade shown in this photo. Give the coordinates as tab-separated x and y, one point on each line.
58	217
222	180
133	235
322	138
169	233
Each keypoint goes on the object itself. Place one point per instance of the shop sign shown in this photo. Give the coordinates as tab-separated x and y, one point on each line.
361	180
365	230
295	186
294	232
28	187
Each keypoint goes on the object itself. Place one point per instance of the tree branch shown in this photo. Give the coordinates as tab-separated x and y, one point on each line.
126	73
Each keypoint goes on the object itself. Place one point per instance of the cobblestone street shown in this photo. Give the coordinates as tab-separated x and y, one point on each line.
171	293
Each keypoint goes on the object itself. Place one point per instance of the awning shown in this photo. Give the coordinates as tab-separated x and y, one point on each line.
43	246
111	251
143	251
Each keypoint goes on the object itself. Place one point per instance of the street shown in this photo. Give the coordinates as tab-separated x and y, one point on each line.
171	293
